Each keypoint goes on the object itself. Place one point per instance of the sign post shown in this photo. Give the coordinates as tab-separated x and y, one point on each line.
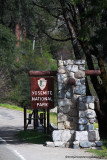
42	97
42	93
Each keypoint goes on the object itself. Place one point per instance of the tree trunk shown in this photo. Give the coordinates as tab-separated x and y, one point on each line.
102	118
71	30
101	90
17	32
101	112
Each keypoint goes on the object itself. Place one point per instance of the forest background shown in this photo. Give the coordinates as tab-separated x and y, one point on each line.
34	34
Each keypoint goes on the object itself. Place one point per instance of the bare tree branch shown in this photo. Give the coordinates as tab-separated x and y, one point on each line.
61	40
48	10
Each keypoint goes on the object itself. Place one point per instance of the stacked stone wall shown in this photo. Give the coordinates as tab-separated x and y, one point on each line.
68	94
76	113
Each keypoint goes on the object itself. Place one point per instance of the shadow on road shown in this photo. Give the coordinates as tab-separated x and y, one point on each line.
9	134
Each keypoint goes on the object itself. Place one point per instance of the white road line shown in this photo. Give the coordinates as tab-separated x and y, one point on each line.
19	155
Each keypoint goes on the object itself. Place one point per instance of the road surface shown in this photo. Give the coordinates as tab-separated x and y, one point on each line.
11	122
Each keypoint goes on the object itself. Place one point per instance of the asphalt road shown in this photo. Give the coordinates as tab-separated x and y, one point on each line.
8	154
10	123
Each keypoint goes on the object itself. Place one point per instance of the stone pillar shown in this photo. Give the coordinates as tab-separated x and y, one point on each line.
76	113
87	114
67	100
86	136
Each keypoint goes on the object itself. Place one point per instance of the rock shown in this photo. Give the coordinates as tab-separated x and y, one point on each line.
69	93
66	136
61	86
52	127
81	136
86	99
76	145
93	135
60	63
61	77
2	141
82	127
76	142
78	83
61	126
50	144
92	120
69	145
82	81
85	144
82	67
68	68
69	61
73	105
70	124
62	117
91	105
83	106
81	114
79	61
83	121
61	94
73	112
93	144
64	102
80	90
90	127
54	110
66	109
59	144
61	70
72	132
98	143
71	74
72	68
65	80
74	120
75	97
56	135
67	125
65	62
79	74
90	113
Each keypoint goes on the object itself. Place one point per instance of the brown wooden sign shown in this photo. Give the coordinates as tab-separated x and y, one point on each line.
42	92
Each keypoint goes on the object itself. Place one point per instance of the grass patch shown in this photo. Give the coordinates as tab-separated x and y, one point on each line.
101	153
96	125
13	107
31	136
53	118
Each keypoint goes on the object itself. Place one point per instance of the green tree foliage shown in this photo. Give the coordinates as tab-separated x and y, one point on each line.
25	59
7	46
17	61
85	24
7	59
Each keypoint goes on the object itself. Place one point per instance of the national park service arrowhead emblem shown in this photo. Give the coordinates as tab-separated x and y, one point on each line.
42	83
